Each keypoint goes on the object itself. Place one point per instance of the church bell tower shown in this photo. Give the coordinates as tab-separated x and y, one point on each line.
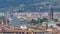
50	14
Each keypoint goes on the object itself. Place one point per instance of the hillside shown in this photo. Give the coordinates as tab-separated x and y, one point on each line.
28	5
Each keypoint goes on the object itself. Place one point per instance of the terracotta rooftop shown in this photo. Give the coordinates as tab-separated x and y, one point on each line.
12	30
57	22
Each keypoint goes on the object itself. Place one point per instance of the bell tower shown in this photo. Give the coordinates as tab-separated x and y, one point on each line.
50	14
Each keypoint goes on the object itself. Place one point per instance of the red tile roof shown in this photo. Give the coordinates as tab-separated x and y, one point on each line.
57	22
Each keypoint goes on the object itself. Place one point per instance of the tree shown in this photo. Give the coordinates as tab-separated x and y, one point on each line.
37	21
42	20
33	22
56	20
45	19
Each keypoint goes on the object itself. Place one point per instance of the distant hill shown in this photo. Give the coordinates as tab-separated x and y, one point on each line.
29	5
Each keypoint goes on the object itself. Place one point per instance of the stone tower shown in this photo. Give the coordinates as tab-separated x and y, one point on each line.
50	14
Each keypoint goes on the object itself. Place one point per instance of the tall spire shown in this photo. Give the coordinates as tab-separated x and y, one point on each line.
50	13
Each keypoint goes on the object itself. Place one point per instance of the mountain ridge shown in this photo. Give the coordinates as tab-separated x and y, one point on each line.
29	5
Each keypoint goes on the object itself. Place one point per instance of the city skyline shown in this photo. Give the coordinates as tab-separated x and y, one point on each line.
29	16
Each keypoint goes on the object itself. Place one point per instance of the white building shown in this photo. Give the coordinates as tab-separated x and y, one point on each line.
51	24
1	14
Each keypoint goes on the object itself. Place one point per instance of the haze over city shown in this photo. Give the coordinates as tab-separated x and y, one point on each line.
29	16
28	5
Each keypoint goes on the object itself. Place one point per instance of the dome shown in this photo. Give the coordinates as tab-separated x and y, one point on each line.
52	24
44	23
